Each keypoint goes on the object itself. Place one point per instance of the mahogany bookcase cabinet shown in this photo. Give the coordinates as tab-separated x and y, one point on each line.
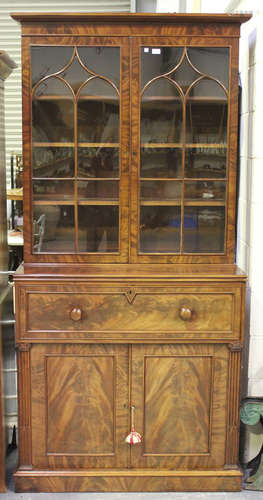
130	299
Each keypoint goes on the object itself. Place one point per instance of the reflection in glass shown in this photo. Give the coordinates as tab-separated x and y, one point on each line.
75	75
205	162
206	123
206	118
52	86
48	60
52	162
98	228
53	190
98	121
161	190
52	121
210	191
160	229
161	113
204	229
156	61
98	162
212	61
103	61
103	190
53	228
185	75
161	162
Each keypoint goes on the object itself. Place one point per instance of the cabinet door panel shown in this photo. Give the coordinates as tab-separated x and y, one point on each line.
181	410
79	396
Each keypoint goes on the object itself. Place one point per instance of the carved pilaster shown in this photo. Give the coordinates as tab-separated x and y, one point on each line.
24	397
232	437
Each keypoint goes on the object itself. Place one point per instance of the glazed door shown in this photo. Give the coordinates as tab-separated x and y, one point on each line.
78	162
183	191
79	406
180	393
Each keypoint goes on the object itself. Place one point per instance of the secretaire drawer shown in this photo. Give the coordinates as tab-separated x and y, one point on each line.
111	312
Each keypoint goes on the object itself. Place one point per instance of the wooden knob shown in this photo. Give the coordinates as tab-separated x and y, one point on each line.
75	314
185	313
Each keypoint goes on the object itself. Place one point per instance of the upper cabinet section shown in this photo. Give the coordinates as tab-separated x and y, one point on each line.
130	137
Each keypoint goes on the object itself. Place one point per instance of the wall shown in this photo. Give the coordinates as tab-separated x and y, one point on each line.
250	203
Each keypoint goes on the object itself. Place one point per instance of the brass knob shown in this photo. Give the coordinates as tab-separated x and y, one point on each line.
75	314
185	313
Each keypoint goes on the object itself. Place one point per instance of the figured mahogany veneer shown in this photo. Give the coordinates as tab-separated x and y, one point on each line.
160	330
143	312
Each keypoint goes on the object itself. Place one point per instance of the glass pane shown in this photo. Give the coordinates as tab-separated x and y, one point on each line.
98	113
160	229
205	162
210	191
185	75
204	229
52	162
102	61
161	190
53	228
98	228
52	87
206	123
209	90
103	190
212	61
52	121
156	61
53	190
48	60
161	162
98	162
75	75
161	113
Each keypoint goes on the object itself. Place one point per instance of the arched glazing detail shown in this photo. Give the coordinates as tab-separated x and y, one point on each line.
75	149
195	196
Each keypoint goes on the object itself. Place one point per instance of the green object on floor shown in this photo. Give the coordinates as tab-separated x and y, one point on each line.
251	413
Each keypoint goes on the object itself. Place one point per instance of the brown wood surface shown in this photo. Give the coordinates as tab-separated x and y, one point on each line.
180	392
128	342
142	311
79	406
142	481
111	30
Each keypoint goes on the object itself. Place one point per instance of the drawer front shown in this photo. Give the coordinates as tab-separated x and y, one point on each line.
101	312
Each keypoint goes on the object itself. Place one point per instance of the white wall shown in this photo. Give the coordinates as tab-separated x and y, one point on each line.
250	202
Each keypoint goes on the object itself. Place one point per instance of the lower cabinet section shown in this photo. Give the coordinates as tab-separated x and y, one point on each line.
77	401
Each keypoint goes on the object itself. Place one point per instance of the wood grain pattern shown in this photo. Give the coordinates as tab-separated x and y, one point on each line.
181	410
24	406
79	406
123	481
232	443
154	311
129	345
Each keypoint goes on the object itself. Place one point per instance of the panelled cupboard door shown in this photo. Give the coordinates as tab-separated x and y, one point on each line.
180	393
79	406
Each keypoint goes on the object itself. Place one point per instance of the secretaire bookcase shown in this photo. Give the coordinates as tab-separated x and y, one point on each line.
130	306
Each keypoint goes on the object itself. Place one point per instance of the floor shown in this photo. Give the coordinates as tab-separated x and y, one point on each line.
11	495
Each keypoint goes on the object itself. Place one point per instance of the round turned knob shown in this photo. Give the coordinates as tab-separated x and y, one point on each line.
75	314
185	313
